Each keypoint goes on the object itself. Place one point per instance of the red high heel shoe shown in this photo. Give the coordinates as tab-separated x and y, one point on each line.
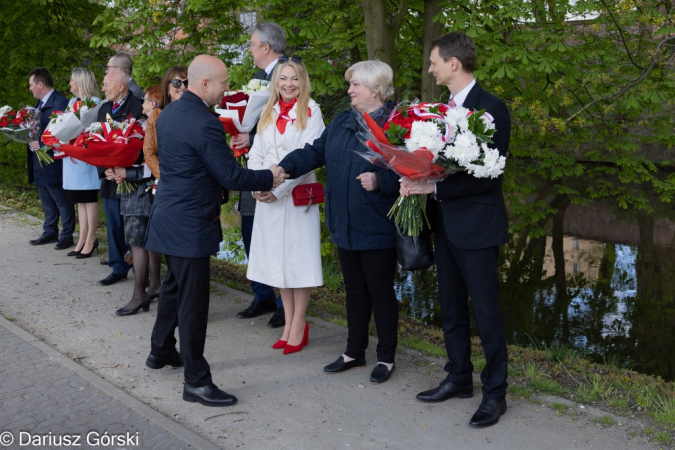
296	348
279	344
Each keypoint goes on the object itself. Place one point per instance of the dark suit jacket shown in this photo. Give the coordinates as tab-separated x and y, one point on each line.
473	209
132	107
52	174
195	164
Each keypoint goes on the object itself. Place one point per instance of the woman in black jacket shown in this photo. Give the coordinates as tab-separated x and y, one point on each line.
358	197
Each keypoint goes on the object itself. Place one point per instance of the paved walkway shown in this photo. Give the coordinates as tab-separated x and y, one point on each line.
46	396
285	402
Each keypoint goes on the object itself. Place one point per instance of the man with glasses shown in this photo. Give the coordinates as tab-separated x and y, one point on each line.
123	63
267	45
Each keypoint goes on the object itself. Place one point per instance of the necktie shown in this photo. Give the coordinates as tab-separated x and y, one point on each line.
452	103
39	106
115	106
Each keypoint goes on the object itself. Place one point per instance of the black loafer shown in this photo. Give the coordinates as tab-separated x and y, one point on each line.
158	362
208	395
44	239
380	373
257	308
64	243
112	279
488	413
278	319
340	365
445	391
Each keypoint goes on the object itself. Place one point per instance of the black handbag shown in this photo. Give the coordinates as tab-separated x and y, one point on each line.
414	252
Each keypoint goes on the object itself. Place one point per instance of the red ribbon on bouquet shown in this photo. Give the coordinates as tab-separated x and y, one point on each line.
413	165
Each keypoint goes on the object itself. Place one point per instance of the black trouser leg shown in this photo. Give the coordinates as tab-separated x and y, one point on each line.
369	286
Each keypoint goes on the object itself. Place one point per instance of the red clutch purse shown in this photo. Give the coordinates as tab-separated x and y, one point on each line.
308	194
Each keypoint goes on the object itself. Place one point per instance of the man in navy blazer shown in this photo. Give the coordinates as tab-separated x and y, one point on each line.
48	179
469	220
184	225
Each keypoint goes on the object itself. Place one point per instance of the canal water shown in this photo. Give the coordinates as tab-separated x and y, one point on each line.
601	281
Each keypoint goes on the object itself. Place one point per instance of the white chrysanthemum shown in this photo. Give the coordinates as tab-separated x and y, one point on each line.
492	165
454	114
427	135
465	150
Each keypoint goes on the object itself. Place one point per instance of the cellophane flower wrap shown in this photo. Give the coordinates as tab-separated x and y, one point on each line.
109	144
20	126
426	142
240	110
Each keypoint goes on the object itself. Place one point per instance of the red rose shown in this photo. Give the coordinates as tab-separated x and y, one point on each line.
17	121
4	121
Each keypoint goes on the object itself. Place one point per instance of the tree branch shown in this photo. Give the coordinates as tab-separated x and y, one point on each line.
623	39
635	82
401	14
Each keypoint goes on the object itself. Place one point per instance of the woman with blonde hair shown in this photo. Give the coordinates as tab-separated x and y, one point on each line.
285	244
80	180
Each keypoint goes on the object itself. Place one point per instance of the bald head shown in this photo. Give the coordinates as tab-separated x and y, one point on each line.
207	78
115	85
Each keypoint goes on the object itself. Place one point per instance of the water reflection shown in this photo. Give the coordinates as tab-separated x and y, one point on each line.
598	282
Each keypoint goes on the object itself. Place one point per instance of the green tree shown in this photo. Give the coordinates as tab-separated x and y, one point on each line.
42	33
160	34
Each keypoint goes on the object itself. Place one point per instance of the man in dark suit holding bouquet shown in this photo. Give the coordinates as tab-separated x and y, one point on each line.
184	224
468	217
121	105
48	179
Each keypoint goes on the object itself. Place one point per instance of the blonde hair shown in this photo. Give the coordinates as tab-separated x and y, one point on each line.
267	117
375	75
86	83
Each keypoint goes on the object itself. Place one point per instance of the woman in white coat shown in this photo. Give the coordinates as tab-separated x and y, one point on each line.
285	245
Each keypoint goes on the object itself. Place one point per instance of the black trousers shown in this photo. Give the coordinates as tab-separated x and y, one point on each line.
369	285
461	272
184	302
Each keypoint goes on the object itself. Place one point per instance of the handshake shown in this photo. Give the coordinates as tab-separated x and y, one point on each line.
279	175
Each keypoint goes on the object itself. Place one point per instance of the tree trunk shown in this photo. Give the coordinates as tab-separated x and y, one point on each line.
432	30
380	35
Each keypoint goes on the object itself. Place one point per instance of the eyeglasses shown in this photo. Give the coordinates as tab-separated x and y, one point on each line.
107	68
295	59
177	82
148	100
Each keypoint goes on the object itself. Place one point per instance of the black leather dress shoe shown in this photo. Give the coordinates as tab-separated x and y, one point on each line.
158	362
278	319
257	308
380	373
488	413
445	391
208	395
44	239
340	365
112	279
64	243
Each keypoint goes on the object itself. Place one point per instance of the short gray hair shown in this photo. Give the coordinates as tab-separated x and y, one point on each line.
272	34
124	61
375	75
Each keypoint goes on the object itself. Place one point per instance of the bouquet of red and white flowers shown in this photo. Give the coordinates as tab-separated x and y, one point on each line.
426	142
240	111
109	144
21	126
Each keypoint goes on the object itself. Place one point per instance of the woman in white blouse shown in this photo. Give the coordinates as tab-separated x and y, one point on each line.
285	245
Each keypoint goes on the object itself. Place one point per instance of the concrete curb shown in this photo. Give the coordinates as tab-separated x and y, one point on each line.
158	419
